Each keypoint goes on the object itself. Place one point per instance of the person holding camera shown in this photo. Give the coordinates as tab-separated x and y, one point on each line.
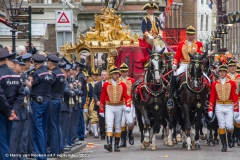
33	51
42	81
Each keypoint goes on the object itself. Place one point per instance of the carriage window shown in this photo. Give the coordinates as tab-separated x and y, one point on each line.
87	57
100	62
127	61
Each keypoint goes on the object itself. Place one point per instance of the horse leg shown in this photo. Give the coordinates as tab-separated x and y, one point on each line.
215	140
145	142
170	142
165	141
187	127
154	146
184	138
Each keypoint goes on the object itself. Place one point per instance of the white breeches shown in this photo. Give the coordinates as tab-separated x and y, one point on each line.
128	117
183	67
113	114
224	113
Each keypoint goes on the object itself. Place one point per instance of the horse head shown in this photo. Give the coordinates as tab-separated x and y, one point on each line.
196	68
155	67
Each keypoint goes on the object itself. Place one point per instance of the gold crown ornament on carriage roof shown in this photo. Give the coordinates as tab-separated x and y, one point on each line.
148	5
124	67
190	30
113	69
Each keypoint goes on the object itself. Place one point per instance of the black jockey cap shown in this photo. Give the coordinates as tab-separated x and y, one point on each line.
38	58
20	61
81	63
53	58
26	57
74	66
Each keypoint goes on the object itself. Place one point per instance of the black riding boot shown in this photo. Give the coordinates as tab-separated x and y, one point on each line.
130	137
116	145
123	139
234	136
108	146
238	136
230	139
224	143
171	92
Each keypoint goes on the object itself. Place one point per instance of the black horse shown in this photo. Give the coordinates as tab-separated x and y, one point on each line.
148	99
190	98
212	124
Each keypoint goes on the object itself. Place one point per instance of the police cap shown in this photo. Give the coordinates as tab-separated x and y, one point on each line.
3	53
38	58
12	56
81	63
53	58
20	61
26	57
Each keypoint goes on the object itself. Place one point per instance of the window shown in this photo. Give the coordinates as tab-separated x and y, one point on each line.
201	24
201	1
206	22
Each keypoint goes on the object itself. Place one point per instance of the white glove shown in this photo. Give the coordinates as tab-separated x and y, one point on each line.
127	109
236	114
160	35
150	37
101	114
174	66
237	119
210	114
85	110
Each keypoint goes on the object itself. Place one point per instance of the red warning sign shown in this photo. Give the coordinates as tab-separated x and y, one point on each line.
63	18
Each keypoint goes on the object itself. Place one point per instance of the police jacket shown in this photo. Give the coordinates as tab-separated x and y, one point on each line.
58	85
67	95
42	82
82	78
12	88
4	106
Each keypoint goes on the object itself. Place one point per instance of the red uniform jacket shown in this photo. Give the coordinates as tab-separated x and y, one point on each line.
223	94
183	50
129	83
236	79
114	95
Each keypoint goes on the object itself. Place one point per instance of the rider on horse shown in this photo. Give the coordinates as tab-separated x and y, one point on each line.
182	59
151	28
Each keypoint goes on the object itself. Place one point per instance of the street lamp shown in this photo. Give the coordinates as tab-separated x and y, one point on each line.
13	6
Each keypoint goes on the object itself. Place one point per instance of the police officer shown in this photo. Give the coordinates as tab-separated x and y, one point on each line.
66	109
81	78
77	104
57	90
11	100
42	81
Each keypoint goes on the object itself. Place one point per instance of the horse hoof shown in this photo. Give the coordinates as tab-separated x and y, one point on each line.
175	141
179	138
143	147
184	145
154	147
170	143
189	148
146	144
210	143
165	143
197	147
203	137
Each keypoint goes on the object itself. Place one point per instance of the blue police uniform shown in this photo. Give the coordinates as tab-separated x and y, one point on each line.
19	132
81	126
13	92
41	97
57	90
66	115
